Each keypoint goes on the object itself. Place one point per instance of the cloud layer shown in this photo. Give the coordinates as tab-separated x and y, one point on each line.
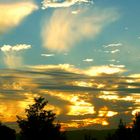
12	14
64	32
79	98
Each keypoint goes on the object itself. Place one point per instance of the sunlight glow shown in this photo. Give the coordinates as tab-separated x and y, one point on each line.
85	122
78	104
83	84
105	112
98	70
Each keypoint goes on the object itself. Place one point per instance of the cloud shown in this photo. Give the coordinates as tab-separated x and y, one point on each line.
112	60
104	69
60	34
118	66
135	76
113	45
74	94
60	3
16	48
88	60
12	14
91	71
68	68
48	55
75	11
12	54
115	51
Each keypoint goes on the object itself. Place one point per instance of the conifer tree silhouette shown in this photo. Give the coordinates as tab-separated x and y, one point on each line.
136	127
122	132
39	123
127	133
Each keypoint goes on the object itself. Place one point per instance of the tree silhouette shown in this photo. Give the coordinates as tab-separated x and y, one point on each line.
136	127
39	123
7	133
123	132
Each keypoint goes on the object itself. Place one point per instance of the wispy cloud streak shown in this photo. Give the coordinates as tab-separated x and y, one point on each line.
63	33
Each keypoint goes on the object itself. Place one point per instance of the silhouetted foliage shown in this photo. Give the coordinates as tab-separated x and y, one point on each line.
124	133
136	127
7	133
39	123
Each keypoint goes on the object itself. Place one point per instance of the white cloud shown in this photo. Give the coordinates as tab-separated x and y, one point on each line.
117	66
88	60
112	60
62	33
75	12
47	55
12	14
16	48
115	51
59	3
113	45
12	54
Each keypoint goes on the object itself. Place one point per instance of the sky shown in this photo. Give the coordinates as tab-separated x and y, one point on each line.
81	55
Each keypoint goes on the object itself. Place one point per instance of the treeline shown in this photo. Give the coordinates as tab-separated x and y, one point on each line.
39	125
127	133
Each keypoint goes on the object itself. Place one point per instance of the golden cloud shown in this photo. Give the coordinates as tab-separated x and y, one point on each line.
12	14
85	122
104	69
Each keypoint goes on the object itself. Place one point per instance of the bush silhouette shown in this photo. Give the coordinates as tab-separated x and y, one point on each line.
7	133
39	123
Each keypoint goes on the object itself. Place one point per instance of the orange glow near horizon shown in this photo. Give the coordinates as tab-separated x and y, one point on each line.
84	123
75	104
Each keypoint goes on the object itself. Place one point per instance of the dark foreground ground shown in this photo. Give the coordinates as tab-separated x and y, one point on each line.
80	134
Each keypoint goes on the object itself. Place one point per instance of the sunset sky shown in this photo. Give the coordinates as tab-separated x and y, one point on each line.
83	56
